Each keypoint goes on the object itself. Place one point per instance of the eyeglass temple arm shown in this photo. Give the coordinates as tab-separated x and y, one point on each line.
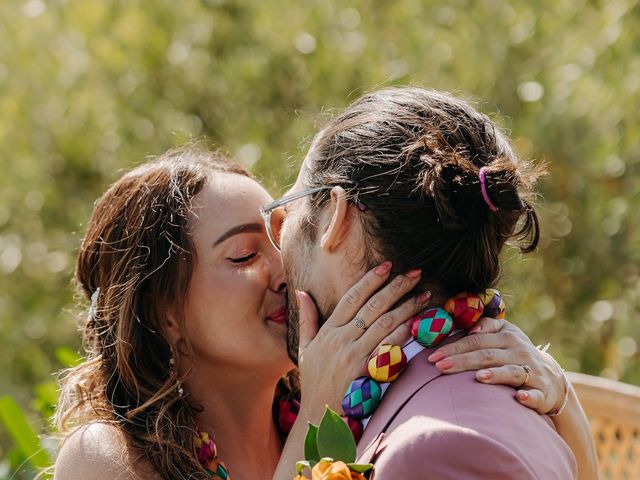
290	198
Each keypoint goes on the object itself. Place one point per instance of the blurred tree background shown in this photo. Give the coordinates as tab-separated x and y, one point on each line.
89	88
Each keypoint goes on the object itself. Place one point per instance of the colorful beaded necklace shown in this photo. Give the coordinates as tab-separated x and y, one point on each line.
384	366
208	456
287	412
429	329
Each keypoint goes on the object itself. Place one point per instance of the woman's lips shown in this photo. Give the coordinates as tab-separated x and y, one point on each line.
279	316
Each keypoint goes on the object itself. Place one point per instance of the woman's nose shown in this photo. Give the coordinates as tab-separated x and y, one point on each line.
280	287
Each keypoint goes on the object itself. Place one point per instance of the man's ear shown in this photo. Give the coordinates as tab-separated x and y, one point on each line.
341	221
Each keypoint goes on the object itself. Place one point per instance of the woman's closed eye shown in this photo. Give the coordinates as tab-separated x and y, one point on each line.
244	258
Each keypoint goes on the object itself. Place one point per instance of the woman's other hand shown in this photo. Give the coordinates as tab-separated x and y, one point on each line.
499	350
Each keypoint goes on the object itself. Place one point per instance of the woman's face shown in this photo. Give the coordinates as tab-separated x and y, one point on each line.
234	309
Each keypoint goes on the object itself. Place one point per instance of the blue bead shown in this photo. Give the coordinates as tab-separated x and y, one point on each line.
362	398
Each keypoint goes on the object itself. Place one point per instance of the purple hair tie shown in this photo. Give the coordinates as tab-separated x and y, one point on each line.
483	189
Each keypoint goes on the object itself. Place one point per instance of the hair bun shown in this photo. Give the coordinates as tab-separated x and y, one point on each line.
501	185
456	190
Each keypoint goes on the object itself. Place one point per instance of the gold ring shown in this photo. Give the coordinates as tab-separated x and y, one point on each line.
360	323
527	374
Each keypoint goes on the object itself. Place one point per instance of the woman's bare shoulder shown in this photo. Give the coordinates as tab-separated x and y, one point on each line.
99	451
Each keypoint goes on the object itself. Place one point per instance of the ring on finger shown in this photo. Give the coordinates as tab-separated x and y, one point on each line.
359	323
527	374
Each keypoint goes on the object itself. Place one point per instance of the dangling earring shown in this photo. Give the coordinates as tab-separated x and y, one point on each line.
179	388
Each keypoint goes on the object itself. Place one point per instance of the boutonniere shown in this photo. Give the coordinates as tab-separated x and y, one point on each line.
330	452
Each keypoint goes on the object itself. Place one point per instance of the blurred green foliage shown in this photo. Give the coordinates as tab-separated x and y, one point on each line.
89	88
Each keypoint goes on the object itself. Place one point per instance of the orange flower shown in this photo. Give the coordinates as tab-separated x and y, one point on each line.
300	477
318	470
334	471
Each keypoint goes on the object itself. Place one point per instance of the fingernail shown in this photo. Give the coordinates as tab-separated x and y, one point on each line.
436	356
484	374
424	297
522	395
298	298
383	269
476	329
445	364
414	273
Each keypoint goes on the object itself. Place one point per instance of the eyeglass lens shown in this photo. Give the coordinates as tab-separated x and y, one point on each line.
276	218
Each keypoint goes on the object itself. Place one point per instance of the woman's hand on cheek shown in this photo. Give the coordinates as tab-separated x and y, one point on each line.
498	350
331	357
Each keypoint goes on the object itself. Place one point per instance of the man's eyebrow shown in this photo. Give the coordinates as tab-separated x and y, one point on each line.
243	228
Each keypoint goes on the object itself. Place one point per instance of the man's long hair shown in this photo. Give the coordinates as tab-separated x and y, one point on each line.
413	156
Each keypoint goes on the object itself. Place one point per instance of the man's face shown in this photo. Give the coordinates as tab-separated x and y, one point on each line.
305	263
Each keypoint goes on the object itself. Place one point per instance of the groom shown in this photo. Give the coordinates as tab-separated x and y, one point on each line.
403	165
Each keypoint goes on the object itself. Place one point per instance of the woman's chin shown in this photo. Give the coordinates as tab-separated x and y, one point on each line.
278	368
278	357
283	361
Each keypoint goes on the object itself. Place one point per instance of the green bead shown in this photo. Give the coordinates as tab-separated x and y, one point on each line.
431	327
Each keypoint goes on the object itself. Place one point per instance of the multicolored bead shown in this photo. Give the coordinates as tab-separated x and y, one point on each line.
287	413
205	446
465	308
217	469
494	305
355	426
431	327
362	398
207	456
386	363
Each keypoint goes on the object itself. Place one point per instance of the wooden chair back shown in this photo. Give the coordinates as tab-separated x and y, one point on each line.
613	409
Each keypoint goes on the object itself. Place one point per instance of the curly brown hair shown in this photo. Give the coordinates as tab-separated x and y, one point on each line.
138	252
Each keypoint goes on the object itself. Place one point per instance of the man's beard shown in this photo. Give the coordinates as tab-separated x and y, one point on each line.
293	325
296	266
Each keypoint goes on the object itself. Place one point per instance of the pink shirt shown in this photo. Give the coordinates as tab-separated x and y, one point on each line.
434	426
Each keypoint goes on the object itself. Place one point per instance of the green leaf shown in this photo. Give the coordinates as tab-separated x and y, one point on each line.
360	467
335	439
67	357
17	426
46	398
15	458
311	444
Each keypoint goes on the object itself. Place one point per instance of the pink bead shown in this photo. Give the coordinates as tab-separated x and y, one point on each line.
465	308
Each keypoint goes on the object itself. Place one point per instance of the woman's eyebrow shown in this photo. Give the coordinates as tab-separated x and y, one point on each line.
243	228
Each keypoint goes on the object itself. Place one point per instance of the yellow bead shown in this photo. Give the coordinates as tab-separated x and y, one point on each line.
386	363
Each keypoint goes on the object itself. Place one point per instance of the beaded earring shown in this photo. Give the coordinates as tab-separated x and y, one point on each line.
179	388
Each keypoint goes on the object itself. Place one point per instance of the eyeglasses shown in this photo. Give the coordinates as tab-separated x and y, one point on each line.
273	213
